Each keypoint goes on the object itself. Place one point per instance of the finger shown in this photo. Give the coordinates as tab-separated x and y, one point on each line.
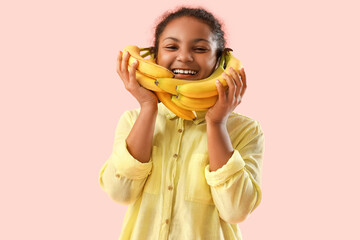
221	91
238	81
243	80
231	85
124	65
132	72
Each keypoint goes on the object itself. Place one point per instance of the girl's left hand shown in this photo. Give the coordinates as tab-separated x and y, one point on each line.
227	100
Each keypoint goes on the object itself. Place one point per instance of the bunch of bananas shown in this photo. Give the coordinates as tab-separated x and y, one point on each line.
182	97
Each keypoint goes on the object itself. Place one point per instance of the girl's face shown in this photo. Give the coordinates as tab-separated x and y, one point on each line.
187	48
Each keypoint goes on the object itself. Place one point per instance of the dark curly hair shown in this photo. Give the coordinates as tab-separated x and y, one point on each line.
198	13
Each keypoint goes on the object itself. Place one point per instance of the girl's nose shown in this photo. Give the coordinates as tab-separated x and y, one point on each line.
185	56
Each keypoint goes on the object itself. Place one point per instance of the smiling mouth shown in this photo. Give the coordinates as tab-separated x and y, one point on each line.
184	71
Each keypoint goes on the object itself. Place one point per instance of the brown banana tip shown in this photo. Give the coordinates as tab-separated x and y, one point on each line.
156	82
194	119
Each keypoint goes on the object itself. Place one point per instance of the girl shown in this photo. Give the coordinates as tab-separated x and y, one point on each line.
185	179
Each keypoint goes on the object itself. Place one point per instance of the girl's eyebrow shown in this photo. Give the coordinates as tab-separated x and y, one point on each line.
195	40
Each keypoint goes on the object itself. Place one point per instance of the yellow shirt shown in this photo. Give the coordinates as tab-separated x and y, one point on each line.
174	195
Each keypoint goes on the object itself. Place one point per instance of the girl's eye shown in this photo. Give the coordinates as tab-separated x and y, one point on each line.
171	47
199	49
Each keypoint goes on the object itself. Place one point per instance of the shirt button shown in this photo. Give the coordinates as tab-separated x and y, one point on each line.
117	175
180	130
167	221
170	187
175	155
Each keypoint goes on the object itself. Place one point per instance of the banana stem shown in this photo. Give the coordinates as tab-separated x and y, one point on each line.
148	51
145	54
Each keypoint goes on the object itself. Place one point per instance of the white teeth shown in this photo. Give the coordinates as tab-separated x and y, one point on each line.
182	71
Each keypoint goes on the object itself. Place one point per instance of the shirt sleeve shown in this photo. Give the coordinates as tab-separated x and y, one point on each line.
123	177
235	187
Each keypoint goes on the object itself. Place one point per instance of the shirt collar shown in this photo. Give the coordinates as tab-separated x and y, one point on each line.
200	115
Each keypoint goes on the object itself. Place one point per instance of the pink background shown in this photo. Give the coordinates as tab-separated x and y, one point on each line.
61	99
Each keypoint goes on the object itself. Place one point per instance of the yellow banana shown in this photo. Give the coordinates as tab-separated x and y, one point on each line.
147	82
165	98
177	102
147	67
169	84
208	88
197	103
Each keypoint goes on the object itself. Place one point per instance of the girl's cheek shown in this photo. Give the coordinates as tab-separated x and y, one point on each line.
165	60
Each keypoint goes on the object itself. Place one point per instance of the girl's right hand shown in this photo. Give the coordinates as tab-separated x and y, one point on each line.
145	97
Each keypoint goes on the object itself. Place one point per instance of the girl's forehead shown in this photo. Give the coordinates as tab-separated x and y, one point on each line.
185	28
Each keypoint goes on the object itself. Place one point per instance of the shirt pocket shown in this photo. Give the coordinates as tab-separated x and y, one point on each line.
153	182
196	187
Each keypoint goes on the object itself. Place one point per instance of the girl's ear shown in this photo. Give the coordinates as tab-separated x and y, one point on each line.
217	63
